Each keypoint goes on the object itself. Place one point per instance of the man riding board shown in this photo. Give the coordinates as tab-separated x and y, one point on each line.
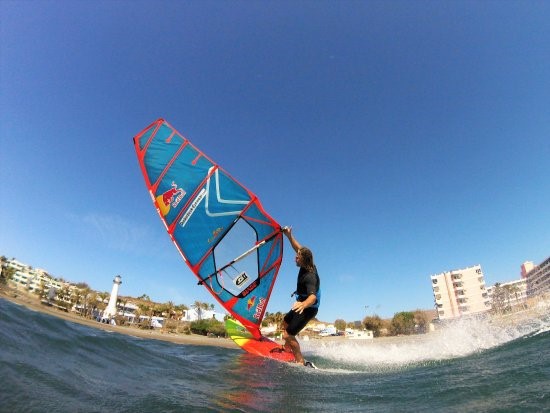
308	297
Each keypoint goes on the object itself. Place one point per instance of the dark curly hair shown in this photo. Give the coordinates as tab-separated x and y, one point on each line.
307	258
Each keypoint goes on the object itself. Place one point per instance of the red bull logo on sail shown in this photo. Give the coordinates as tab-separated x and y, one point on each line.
259	308
170	198
250	303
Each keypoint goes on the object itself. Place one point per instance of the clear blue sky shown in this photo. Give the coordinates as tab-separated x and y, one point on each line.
400	139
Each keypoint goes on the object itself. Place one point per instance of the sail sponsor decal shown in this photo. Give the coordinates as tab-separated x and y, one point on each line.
198	199
170	198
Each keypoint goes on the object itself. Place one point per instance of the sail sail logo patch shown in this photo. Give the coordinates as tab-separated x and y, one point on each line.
241	279
215	233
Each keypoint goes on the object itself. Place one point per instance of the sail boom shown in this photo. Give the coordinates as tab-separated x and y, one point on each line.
240	257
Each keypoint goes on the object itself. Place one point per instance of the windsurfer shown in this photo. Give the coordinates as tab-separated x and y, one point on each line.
308	297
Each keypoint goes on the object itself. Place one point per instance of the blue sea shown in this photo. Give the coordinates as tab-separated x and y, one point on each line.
51	365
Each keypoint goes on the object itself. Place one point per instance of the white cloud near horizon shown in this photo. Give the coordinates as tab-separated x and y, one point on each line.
116	232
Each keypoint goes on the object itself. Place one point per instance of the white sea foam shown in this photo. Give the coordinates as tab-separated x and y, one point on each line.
458	339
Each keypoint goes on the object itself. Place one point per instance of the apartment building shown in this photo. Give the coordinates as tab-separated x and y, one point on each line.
538	278
460	292
31	279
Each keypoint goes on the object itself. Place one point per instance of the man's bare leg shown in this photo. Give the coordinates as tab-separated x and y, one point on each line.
292	344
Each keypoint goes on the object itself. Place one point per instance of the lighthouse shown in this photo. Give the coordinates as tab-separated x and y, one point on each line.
110	311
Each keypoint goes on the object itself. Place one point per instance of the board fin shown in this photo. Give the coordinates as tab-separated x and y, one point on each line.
310	364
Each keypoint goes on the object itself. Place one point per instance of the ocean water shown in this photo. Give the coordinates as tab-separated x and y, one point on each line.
51	365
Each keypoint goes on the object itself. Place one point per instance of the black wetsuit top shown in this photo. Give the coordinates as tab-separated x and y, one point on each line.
308	283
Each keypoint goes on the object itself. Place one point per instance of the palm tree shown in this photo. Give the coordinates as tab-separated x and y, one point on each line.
279	317
75	297
180	309
268	319
506	293
144	309
498	298
513	290
85	294
170	306
6	275
137	315
41	290
92	299
102	297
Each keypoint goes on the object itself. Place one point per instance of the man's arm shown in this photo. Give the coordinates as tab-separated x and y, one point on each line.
300	306
295	244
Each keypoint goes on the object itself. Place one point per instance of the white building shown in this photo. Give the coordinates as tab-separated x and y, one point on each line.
538	278
515	292
193	315
31	279
460	292
353	334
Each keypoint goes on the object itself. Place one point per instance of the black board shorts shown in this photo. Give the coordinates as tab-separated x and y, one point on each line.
296	322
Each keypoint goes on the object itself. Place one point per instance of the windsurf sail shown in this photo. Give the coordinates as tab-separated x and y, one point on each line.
219	227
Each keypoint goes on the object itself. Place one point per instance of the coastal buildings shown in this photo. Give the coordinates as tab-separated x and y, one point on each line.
31	279
538	277
508	295
460	292
72	297
194	314
463	292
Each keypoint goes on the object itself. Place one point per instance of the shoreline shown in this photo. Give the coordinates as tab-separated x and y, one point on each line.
175	338
33	304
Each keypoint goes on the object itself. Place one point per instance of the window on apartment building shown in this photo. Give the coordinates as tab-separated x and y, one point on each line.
434	281
438	297
436	289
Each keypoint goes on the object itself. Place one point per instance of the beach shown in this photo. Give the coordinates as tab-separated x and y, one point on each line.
34	304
